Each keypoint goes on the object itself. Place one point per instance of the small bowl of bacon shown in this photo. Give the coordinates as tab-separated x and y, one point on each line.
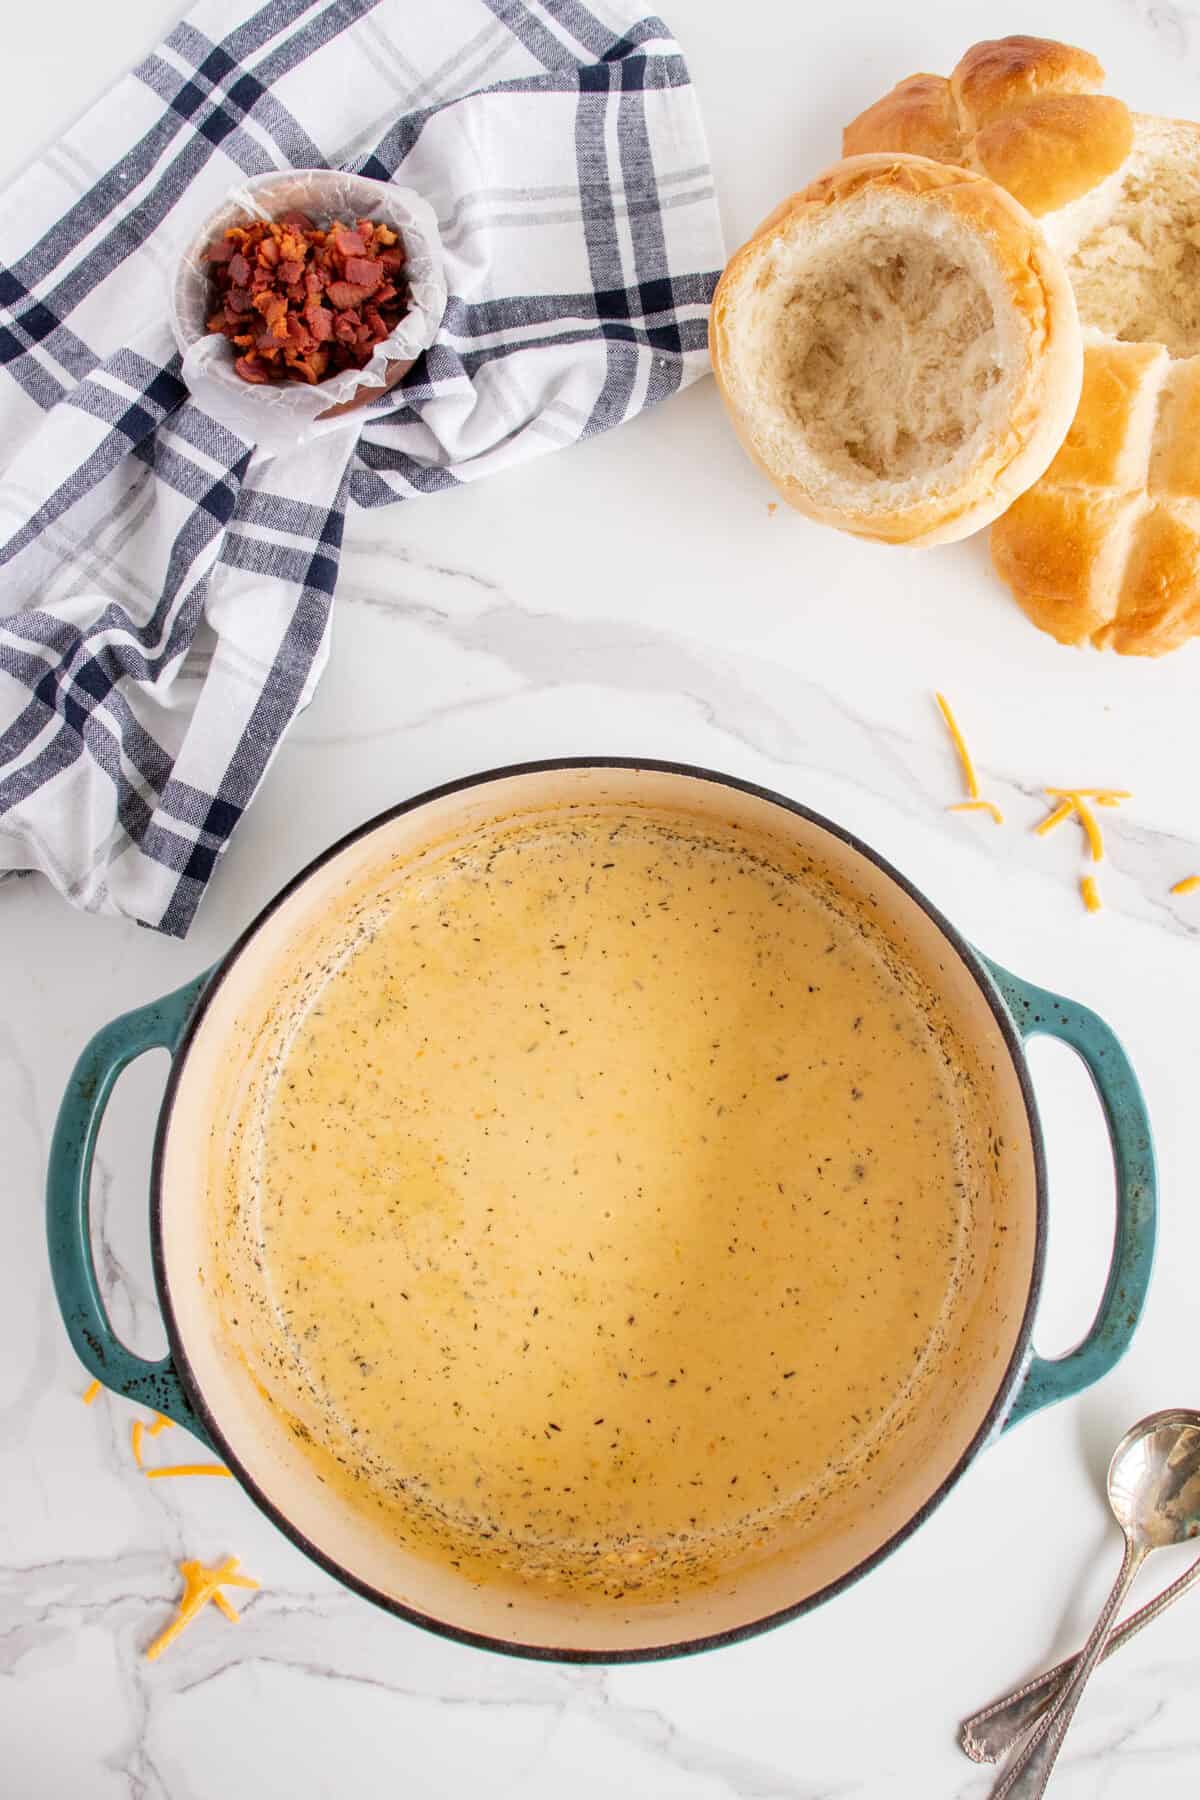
305	296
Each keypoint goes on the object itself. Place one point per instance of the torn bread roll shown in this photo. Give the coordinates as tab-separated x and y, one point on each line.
1024	111
1105	548
898	349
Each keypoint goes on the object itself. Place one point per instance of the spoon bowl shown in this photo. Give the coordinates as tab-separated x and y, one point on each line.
1154	1479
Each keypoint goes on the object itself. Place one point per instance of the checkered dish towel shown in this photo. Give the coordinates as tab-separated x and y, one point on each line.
165	594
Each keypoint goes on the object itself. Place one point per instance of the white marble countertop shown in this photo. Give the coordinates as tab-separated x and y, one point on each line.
634	596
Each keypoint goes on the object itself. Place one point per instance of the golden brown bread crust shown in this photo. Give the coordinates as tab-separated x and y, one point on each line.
1002	75
1019	109
918	118
1055	149
1105	548
913	175
1039	292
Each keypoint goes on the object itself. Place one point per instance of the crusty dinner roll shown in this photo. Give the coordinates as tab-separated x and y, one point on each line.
1021	109
1105	548
898	349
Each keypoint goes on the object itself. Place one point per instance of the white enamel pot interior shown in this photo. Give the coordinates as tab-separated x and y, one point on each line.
225	1365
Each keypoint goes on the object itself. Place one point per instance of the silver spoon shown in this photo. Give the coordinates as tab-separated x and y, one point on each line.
1154	1492
994	1730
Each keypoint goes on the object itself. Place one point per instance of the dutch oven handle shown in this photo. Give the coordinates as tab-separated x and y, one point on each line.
68	1205
1035	1012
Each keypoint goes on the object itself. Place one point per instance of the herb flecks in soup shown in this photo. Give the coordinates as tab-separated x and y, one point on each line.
611	1196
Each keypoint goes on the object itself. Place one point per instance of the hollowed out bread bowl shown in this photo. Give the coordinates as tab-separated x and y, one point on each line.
898	348
1105	548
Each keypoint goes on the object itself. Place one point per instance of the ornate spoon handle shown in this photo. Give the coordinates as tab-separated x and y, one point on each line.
992	1732
1030	1770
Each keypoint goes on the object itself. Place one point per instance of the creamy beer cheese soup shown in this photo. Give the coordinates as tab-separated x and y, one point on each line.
612	1198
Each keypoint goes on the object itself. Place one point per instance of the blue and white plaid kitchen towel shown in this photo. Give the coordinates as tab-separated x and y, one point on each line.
165	594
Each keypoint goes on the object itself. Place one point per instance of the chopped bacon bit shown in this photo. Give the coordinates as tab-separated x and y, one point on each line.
346	294
303	303
298	334
363	272
347	242
313	368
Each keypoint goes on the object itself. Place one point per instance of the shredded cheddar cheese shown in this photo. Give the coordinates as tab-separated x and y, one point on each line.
987	806
1075	801
185	1469
1061	812
972	803
1103	796
140	1428
200	1586
960	745
1087	819
89	1393
1188	885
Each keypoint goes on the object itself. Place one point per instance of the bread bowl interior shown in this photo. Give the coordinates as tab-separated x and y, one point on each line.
898	348
1132	245
882	352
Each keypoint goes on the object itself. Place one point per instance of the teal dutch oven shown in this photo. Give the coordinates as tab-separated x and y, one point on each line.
211	1379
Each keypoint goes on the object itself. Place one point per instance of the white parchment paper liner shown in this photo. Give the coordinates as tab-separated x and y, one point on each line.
280	416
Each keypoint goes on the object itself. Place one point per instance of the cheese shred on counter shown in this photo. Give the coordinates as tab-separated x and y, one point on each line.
972	803
200	1586
187	1469
1068	801
987	806
140	1429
